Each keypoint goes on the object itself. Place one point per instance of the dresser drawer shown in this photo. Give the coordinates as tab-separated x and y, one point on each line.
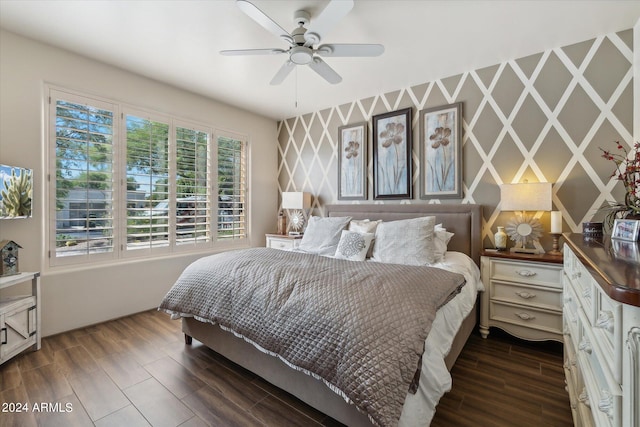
604	395
545	320
527	295
527	272
607	331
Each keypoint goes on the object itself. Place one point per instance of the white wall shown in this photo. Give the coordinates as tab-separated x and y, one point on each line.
73	298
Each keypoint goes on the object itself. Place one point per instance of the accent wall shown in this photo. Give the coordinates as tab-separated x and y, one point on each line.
541	118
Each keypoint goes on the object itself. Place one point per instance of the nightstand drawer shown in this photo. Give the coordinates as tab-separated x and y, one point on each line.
527	295
527	272
527	316
284	243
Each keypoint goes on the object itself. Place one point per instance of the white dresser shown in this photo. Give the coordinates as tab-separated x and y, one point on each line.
601	327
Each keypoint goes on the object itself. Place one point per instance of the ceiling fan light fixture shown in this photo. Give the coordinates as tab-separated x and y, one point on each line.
300	55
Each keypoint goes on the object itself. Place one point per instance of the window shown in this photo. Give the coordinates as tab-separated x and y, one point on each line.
231	188
125	182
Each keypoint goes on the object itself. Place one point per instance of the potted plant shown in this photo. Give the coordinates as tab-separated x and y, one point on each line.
628	172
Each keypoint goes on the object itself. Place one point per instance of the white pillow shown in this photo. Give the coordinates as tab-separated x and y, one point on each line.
354	245
323	234
442	240
407	241
365	226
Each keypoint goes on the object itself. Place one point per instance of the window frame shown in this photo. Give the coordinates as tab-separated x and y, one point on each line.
119	178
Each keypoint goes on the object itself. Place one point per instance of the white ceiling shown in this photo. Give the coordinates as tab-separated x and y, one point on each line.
177	42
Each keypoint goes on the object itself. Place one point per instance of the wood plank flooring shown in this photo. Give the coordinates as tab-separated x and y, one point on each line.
136	371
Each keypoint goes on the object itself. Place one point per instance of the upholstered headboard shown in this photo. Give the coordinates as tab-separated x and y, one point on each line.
463	220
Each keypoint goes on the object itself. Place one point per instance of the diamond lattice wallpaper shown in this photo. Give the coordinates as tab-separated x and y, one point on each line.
540	118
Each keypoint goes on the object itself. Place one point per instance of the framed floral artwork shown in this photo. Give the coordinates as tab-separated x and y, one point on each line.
392	171
352	162
441	152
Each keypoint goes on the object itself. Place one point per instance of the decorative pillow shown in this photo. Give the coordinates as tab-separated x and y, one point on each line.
408	241
323	234
441	241
354	245
365	226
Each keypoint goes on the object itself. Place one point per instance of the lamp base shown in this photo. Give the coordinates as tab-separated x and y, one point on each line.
555	250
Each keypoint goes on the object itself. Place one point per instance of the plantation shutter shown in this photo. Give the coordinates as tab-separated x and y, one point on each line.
232	178
147	178
193	204
83	182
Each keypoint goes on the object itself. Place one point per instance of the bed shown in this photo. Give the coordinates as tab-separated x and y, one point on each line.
442	346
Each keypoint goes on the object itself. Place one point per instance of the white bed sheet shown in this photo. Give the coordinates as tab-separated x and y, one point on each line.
435	379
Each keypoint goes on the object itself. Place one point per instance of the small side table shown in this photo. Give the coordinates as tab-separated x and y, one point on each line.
20	318
283	242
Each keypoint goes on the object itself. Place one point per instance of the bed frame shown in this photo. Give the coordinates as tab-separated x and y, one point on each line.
463	220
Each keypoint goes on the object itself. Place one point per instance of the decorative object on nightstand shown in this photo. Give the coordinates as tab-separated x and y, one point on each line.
523	295
300	202
500	239
556	232
525	230
9	261
282	223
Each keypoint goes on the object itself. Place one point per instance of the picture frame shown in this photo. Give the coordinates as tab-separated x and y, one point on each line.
16	192
625	229
441	152
352	161
392	162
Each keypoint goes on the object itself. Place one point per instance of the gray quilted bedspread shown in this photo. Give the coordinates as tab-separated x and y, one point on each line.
359	326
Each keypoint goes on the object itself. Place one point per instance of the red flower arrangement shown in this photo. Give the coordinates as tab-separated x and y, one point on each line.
628	172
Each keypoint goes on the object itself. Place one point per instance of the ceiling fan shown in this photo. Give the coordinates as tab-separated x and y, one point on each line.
304	40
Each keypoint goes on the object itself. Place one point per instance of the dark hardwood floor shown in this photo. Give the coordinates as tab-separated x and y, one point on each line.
136	371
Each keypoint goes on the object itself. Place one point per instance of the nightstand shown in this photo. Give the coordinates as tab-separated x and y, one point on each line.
19	317
523	295
283	242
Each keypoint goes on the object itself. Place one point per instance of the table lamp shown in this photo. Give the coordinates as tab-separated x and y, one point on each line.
299	202
523	229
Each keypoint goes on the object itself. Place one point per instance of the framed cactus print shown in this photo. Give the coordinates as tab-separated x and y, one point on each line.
352	162
15	192
441	152
392	171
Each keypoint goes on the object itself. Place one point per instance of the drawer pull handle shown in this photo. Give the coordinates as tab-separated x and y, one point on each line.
585	346
584	398
525	316
6	338
526	273
606	403
577	275
605	321
525	295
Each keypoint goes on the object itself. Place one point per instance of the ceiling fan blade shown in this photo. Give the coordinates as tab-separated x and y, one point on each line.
328	18
326	72
350	50
237	52
261	18
282	73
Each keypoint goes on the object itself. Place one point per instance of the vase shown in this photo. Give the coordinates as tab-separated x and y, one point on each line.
500	239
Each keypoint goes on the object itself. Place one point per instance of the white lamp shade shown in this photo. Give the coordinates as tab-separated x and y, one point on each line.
296	200
526	196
